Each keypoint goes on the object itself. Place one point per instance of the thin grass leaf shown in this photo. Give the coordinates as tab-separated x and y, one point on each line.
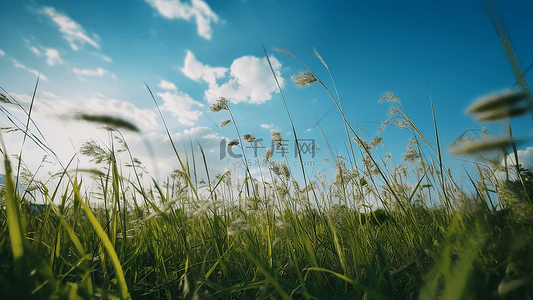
16	233
356	284
107	120
119	273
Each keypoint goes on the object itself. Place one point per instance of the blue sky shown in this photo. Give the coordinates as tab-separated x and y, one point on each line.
97	56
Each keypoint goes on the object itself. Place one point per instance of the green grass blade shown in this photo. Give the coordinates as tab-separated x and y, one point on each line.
16	233
123	287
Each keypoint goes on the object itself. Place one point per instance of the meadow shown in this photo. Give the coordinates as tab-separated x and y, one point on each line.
227	237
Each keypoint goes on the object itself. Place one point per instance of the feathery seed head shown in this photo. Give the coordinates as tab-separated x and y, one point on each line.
248	137
286	171
233	143
224	123
393	111
401	123
304	79
221	104
238	226
411	155
268	155
275	167
361	143
389	97
376	141
277	139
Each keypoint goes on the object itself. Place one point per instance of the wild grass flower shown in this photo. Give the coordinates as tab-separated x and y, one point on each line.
401	123
389	97
248	137
411	155
275	167
376	141
268	155
238	226
277	139
361	143
285	171
224	123
370	166
280	169
220	104
282	191
304	79
233	143
95	152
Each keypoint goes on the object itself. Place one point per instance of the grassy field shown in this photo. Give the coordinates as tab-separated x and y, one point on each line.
225	238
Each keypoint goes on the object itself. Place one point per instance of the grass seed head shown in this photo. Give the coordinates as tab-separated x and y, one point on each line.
496	101
285	171
469	147
221	104
411	155
224	123
233	143
304	79
238	226
389	97
268	155
248	137
277	139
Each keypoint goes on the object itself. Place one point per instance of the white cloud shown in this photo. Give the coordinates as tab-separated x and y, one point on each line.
87	72
103	57
167	85
71	30
197	9
35	51
251	81
17	64
525	158
2	53
179	105
251	78
195	70
52	56
266	126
